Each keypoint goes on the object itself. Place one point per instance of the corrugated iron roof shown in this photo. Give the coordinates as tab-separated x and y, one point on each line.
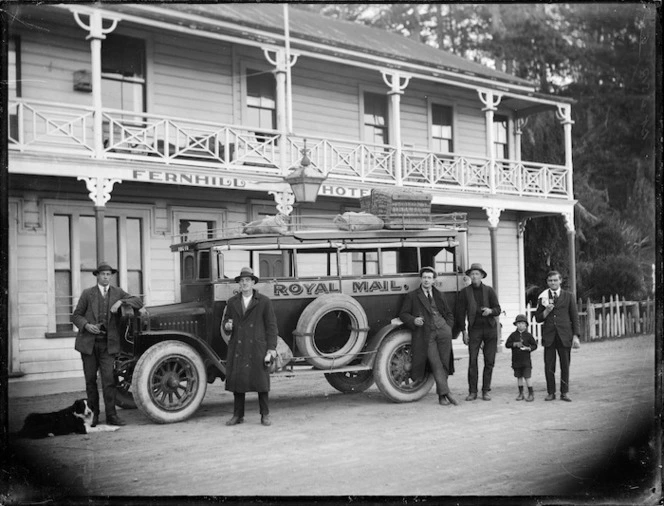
342	34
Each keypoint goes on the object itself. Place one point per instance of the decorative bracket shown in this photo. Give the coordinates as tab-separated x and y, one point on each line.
393	80
490	100
569	221
519	125
279	58
493	215
95	26
521	227
100	189
284	199
564	114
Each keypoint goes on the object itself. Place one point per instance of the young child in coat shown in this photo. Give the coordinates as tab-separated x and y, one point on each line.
522	343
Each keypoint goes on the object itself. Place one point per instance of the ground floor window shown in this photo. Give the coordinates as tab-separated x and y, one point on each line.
73	246
194	230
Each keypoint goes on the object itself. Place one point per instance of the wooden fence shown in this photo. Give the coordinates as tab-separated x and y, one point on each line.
613	318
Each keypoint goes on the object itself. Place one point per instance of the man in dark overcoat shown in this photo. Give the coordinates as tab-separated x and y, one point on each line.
98	338
478	303
557	311
252	346
425	312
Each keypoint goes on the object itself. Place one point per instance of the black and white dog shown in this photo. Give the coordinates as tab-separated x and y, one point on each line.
75	419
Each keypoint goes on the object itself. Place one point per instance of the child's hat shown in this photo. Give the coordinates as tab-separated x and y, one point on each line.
521	318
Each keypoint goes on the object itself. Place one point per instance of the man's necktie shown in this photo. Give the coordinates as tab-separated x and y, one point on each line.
430	299
105	291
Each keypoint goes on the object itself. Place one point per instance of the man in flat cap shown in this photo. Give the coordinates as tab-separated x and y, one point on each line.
425	312
98	338
478	303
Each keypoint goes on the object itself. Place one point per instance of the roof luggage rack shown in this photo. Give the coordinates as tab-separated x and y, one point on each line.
324	224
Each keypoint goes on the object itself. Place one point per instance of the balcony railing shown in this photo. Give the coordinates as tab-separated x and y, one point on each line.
37	126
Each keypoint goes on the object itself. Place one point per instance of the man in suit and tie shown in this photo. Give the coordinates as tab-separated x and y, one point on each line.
556	310
479	304
425	312
98	338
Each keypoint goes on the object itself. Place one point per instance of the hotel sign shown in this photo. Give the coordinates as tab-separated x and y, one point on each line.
210	181
163	176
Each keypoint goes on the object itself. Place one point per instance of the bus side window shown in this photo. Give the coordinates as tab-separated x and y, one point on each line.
441	259
188	266
408	260
218	265
358	263
204	265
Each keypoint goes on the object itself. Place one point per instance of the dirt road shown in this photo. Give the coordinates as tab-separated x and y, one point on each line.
324	443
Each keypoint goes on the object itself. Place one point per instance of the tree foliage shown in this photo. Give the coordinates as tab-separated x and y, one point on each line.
601	55
615	275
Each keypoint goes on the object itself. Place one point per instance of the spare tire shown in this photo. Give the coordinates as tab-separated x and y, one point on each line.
331	331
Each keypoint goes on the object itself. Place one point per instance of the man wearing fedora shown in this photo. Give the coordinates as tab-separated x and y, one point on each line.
479	304
425	312
98	338
252	346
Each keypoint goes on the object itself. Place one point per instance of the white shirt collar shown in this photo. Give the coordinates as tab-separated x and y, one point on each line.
102	289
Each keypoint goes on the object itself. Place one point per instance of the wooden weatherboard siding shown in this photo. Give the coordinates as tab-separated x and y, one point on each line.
48	62
192	78
479	251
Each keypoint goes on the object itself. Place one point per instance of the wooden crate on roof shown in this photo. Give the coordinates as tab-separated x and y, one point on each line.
399	208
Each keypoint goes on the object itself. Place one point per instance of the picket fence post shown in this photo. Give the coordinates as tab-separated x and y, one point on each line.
591	320
602	327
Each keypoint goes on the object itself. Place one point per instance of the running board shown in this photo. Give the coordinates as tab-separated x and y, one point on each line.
300	370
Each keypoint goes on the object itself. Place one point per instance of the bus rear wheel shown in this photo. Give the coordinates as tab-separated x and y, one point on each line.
351	382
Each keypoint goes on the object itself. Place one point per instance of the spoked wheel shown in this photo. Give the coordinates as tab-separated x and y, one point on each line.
124	372
393	367
169	382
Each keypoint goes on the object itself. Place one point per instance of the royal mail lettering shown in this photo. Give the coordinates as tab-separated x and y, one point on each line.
286	289
378	286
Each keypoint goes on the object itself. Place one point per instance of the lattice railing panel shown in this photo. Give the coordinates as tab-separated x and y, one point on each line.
44	126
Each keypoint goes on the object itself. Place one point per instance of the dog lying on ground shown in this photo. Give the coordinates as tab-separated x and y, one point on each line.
75	419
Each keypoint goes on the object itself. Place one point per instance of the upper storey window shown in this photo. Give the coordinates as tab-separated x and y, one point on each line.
261	99
500	145
123	73
441	128
375	118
